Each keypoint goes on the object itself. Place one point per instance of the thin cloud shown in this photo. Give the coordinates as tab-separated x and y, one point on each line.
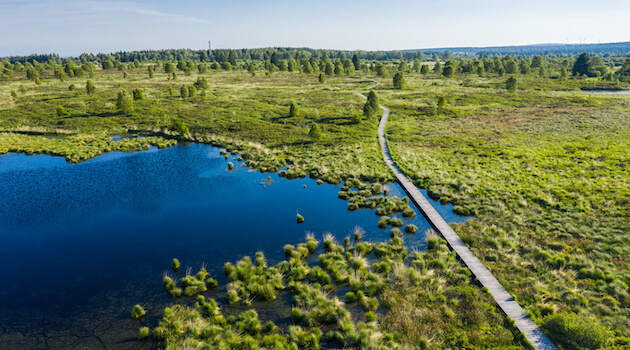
32	11
132	8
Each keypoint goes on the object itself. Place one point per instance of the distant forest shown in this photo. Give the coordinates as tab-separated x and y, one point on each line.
286	53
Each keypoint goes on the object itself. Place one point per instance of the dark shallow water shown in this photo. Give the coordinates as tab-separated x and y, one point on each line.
80	244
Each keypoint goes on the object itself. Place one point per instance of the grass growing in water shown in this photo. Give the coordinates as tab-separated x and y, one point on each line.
138	312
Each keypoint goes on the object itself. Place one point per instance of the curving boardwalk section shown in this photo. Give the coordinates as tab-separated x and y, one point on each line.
511	308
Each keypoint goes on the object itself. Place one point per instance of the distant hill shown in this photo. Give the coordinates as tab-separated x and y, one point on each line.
539	49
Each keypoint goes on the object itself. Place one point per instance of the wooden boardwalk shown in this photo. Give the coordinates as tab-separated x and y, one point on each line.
511	308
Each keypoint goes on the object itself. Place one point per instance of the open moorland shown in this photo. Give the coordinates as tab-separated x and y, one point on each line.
522	145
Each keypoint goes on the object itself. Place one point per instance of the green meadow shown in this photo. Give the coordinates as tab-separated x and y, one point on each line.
538	163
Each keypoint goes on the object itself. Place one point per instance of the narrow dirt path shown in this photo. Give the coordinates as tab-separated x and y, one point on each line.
506	302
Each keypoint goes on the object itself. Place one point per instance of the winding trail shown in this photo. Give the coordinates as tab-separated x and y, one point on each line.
506	302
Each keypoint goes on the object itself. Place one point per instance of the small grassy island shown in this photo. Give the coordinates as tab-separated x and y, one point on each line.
518	143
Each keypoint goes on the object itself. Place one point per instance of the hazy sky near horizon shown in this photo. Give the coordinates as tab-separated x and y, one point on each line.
72	27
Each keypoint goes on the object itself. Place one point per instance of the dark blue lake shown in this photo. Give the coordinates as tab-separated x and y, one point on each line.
80	244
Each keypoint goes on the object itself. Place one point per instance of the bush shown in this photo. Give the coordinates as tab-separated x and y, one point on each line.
138	94
576	332
61	111
179	126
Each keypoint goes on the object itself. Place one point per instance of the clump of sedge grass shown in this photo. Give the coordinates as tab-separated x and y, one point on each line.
143	333
138	312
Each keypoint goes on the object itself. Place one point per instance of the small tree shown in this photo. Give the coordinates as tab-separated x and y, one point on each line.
356	61
201	83
339	69
322	78
582	65
448	71
90	88
381	71
307	68
417	65
424	69
124	102
138	94
183	91
399	81
371	105
31	74
437	68
329	69
403	67
151	72
563	73
293	110
511	84
480	71
441	102
315	133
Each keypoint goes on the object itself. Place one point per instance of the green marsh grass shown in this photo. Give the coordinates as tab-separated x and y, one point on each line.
540	171
143	333
138	312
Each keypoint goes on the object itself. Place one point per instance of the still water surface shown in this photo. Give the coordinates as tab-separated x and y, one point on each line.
80	244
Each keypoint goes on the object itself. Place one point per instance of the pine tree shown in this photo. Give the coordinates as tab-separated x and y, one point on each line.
437	68
322	78
315	133
511	84
381	71
201	83
371	105
417	65
399	81
293	110
441	102
480	71
330	68
582	65
138	94
448	71
308	68
356	61
124	102
90	88
338	68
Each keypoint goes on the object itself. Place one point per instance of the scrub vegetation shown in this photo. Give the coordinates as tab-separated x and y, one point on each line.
515	142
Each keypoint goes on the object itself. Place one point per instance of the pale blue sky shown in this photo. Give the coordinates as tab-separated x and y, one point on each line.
71	27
